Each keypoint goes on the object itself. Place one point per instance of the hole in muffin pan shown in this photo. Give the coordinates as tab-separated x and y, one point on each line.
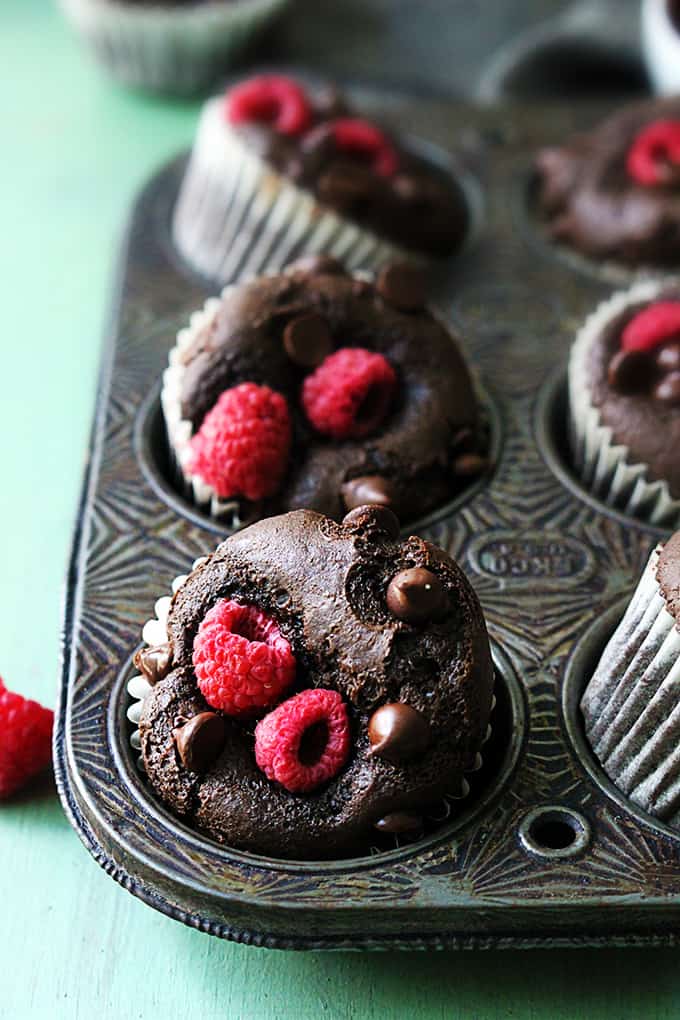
551	431
554	832
466	183
444	819
151	449
582	663
535	232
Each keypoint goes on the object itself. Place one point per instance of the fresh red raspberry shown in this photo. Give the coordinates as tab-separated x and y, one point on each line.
654	156
305	741
350	392
652	326
270	99
25	740
242	447
242	661
363	140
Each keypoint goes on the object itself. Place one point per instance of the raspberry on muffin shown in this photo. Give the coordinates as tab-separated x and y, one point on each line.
613	193
317	388
286	169
318	683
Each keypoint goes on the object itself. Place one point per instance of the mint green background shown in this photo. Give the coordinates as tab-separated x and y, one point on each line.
72	943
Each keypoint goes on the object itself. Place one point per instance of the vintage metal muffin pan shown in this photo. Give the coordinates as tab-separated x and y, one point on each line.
544	851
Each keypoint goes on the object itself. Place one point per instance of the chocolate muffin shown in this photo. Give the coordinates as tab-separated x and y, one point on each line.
630	704
176	47
318	683
614	192
317	389
624	395
279	170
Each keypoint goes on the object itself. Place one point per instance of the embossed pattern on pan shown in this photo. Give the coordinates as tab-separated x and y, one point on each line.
545	561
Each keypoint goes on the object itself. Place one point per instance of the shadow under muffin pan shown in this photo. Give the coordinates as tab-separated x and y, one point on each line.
546	852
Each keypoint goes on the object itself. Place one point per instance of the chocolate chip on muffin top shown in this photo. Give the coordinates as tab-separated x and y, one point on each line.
314	138
318	389
339	718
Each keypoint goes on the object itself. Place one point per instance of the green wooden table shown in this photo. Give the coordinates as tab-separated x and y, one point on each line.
72	943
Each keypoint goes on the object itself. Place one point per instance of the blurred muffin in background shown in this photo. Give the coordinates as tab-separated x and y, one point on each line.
172	46
280	169
624	402
613	193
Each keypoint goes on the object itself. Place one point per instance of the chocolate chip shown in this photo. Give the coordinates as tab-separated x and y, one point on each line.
629	371
407	187
319	141
668	390
468	465
367	489
415	595
317	264
361	288
418	192
380	517
307	340
402	285
154	662
344	187
668	356
200	741
330	103
464	440
400	823
398	732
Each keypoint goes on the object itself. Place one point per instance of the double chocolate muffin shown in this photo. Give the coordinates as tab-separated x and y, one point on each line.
624	396
176	47
630	706
317	389
350	164
320	682
614	192
280	169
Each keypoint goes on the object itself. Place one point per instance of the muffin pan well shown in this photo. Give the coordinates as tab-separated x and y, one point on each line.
545	852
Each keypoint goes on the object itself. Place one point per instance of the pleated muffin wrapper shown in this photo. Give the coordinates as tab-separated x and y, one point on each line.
155	632
236	216
179	431
175	50
231	513
631	705
606	467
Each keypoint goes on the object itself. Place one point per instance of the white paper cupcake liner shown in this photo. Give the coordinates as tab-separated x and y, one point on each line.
155	632
179	430
631	705
604	466
236	216
178	50
660	46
